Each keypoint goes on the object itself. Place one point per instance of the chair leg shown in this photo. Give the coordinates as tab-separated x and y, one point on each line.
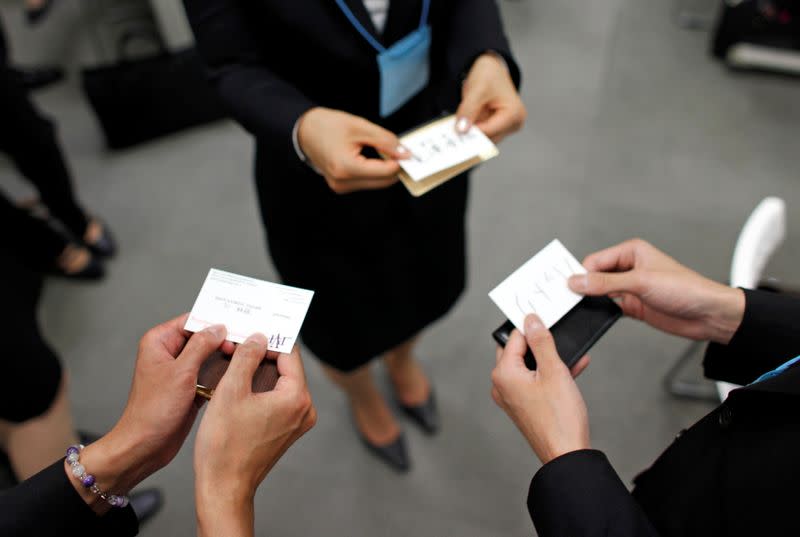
684	389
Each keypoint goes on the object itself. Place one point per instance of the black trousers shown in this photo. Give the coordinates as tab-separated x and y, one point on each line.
29	140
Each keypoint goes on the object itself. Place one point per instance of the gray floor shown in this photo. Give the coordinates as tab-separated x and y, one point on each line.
632	130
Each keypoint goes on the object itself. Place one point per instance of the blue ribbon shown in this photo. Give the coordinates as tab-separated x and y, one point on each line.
778	370
423	20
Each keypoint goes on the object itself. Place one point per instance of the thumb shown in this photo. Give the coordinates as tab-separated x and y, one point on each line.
542	344
383	140
468	112
244	362
604	283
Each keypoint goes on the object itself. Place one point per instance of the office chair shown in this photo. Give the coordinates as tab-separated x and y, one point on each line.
760	237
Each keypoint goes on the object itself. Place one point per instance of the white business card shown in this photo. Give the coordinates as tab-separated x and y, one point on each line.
437	147
246	305
540	286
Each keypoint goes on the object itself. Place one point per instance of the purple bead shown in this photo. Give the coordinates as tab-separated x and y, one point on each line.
72	449
88	480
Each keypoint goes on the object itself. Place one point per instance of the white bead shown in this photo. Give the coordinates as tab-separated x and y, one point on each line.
73	457
78	470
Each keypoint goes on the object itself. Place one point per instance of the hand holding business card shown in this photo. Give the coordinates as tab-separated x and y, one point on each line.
246	305
439	153
540	286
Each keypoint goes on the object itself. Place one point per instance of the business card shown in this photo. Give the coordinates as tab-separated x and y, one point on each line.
247	305
438	146
540	286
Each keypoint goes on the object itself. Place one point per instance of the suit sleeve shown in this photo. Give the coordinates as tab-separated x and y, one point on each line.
579	494
263	103
476	27
768	336
47	504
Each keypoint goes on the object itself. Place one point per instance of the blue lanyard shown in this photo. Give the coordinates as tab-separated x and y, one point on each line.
423	20
778	370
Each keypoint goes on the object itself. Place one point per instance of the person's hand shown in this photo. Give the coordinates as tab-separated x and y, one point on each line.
161	407
656	289
545	405
243	434
333	140
489	100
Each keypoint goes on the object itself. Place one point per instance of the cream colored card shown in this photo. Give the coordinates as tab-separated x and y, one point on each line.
439	153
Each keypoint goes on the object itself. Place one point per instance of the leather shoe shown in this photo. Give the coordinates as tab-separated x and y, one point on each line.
394	454
34	78
146	503
35	15
425	415
106	245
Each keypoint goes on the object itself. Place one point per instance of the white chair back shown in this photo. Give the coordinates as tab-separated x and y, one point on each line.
762	234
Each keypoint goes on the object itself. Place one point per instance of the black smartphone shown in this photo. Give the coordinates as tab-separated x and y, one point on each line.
576	332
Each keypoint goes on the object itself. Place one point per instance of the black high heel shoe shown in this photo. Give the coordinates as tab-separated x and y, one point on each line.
36	15
424	415
393	454
106	245
92	270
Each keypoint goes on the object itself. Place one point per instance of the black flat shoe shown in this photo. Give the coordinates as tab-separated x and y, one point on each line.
37	14
394	454
146	503
425	415
105	246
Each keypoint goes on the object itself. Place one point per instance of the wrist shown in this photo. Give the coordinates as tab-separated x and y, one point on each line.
224	507
552	452
300	138
116	467
728	315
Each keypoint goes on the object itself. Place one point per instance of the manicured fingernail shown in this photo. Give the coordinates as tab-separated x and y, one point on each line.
462	125
258	338
533	323
402	150
579	282
217	330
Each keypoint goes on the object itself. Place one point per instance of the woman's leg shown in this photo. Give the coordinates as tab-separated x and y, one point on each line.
410	383
371	412
30	141
37	443
36	421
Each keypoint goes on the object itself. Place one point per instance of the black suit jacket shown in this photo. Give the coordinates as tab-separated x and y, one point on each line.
735	472
48	505
271	60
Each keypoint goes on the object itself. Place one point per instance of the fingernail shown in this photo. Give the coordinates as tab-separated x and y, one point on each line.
402	150
462	125
533	323
579	282
257	338
217	330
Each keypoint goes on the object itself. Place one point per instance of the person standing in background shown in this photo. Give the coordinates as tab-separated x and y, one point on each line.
73	244
316	84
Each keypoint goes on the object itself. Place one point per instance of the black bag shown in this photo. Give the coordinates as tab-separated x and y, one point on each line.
137	100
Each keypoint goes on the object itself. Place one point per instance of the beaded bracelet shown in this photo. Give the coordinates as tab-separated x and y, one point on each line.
88	481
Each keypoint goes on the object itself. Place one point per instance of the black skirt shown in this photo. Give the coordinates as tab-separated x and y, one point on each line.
383	264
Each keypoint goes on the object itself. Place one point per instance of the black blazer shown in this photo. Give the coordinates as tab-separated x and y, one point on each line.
271	60
735	472
48	505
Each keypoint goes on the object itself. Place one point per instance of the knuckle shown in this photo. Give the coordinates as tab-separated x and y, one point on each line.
542	338
311	419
